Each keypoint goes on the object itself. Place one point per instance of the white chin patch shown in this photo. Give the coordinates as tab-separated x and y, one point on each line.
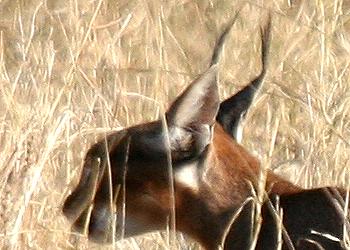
187	175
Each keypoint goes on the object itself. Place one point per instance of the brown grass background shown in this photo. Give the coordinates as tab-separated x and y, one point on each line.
70	70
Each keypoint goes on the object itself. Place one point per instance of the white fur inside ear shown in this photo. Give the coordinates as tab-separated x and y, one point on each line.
189	106
187	175
239	133
179	138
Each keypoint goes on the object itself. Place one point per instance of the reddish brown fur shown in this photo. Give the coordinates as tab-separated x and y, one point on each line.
222	181
204	214
232	170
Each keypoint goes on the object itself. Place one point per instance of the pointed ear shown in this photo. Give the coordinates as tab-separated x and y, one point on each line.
191	117
198	104
233	110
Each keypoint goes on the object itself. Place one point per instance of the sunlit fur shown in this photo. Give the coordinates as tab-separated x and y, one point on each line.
127	186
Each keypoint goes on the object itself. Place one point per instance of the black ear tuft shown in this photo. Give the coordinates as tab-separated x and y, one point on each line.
220	41
234	109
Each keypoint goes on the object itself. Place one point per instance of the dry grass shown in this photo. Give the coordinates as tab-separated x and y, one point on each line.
72	69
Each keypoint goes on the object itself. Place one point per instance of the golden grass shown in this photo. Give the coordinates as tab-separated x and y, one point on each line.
72	69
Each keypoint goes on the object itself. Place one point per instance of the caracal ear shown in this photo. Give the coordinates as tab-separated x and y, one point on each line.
191	117
198	104
233	110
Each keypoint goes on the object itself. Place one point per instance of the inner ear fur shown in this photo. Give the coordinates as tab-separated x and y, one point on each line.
191	116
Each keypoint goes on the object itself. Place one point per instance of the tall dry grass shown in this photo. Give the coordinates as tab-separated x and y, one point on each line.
70	70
